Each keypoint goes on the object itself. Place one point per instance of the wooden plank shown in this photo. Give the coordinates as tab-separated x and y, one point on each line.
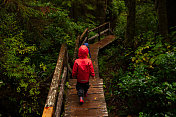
87	112
107	40
98	84
87	104
90	97
47	112
98	34
92	86
94	49
91	91
91	81
61	92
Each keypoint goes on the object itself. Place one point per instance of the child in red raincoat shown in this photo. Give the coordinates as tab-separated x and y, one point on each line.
82	70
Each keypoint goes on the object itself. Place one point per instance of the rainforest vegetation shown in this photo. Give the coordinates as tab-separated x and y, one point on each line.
138	68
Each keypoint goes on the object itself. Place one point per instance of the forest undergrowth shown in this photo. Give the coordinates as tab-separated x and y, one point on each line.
139	79
140	83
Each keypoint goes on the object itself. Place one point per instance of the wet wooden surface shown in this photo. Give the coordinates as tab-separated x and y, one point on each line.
94	57
94	104
107	40
94	49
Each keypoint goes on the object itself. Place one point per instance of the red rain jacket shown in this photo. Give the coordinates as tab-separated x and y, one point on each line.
83	68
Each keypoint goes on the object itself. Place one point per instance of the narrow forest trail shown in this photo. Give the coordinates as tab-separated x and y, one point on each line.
95	104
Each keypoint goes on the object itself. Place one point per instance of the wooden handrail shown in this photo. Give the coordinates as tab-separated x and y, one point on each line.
61	93
84	41
83	34
98	27
77	41
98	34
53	91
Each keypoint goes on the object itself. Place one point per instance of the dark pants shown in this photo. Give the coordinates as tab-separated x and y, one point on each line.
82	88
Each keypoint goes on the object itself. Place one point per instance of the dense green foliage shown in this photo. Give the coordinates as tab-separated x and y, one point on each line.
150	82
31	34
138	81
148	85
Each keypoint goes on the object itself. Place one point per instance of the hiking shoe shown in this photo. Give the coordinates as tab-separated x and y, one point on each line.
81	100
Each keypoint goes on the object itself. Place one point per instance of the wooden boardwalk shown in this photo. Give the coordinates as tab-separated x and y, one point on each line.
94	49
94	105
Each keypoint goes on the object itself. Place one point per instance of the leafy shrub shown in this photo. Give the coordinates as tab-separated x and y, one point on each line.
146	18
18	72
30	43
119	14
149	85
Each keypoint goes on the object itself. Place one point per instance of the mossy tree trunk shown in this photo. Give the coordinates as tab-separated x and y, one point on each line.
131	18
162	17
171	15
94	10
101	6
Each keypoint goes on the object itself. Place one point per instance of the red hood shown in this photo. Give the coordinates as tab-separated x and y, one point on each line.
83	52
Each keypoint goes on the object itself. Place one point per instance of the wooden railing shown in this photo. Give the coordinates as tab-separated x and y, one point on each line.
79	41
77	44
100	31
51	104
54	99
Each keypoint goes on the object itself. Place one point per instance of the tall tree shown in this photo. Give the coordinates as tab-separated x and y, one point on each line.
131	17
92	10
101	6
162	17
171	14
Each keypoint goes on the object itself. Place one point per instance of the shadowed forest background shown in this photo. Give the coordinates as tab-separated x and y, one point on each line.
138	68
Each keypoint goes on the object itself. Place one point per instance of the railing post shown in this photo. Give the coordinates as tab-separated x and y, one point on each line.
85	32
77	41
61	93
87	36
98	34
109	28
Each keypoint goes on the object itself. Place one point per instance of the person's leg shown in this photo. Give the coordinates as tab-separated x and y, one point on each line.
86	87
80	90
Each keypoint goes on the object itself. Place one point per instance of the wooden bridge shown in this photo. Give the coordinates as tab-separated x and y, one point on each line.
94	104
